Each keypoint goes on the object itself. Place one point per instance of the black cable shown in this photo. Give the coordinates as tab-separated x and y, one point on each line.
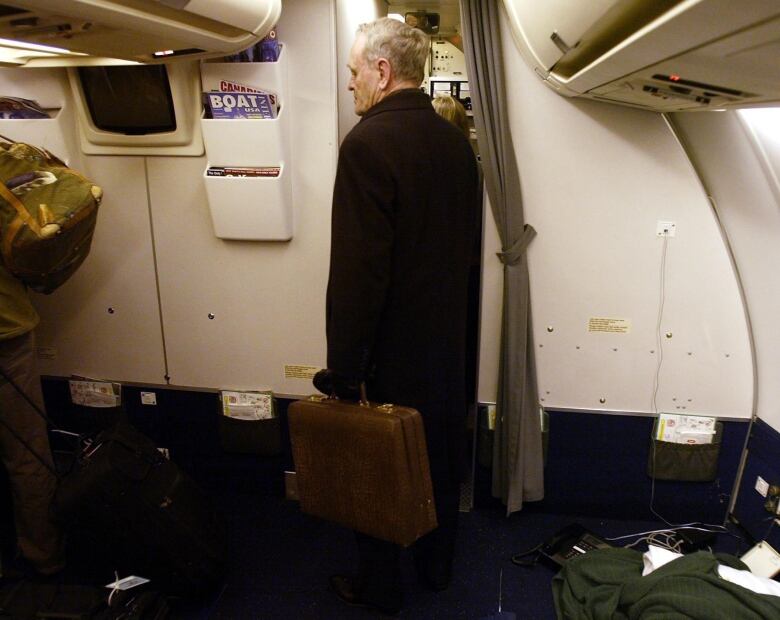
518	560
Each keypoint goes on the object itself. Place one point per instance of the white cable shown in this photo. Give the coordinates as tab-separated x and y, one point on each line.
701	527
115	588
656	380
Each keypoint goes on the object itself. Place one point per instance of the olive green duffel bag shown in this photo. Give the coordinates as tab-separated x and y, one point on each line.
47	215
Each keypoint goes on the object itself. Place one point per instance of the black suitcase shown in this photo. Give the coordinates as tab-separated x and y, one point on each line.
143	509
26	600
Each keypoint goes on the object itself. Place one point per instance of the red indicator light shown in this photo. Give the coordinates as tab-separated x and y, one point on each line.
674	78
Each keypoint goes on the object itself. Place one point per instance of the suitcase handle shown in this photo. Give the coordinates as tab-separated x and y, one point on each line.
363	402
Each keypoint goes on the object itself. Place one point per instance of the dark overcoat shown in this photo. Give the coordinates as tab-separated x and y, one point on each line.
406	204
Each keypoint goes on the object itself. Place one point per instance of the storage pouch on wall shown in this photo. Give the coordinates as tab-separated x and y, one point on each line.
262	437
685	462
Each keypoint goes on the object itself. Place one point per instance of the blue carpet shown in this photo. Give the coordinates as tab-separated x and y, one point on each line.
281	560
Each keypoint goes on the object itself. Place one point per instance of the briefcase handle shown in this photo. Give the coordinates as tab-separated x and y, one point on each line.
363	400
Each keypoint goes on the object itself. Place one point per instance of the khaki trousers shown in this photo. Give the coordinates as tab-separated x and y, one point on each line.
32	484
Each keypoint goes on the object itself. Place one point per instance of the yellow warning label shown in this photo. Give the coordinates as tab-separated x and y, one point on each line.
611	326
298	371
47	353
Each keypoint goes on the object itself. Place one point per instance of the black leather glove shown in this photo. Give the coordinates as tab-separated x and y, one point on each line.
332	383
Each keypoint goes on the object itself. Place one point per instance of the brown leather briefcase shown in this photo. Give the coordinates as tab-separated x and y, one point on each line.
364	466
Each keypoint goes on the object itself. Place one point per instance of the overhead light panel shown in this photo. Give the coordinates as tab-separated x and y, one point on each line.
34	47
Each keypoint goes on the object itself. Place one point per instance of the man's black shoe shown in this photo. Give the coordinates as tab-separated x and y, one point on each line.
435	576
438	583
344	589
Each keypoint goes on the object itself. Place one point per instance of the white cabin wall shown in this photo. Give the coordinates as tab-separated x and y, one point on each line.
737	155
596	178
103	322
267	298
154	229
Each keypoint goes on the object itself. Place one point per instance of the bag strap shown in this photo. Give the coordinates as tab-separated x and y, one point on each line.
30	449
29	400
37	410
22	213
44	153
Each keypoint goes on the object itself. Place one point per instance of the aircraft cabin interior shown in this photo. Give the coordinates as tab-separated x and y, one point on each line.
622	363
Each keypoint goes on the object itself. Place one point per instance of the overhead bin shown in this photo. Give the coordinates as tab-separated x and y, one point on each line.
664	55
146	31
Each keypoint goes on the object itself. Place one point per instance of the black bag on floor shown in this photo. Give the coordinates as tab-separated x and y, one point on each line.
24	600
145	511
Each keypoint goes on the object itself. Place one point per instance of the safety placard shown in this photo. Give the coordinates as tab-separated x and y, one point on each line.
610	326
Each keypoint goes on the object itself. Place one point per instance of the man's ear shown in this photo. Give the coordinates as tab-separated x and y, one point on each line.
385	72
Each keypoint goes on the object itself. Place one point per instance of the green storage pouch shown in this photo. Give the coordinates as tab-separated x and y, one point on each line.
684	462
261	437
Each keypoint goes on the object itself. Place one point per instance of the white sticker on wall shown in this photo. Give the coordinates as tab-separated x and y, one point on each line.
610	326
298	371
47	353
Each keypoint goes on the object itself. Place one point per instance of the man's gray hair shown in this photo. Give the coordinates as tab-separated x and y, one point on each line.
405	47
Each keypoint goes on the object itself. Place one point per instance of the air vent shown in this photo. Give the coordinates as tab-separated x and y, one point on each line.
677	80
174	53
6	11
663	95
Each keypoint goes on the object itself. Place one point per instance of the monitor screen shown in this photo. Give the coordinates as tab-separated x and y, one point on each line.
132	100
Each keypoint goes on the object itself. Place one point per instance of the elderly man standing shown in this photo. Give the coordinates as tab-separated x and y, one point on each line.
406	205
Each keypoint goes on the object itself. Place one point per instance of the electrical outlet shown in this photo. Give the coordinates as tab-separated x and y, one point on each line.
772	503
665	228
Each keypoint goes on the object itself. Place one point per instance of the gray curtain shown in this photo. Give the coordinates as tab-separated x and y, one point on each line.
517	449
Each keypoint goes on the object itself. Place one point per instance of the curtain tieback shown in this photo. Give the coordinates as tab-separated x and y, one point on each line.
513	255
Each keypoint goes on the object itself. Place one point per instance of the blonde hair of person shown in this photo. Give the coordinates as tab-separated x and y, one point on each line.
450	108
406	48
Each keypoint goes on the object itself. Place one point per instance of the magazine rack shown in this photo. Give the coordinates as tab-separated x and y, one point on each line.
249	207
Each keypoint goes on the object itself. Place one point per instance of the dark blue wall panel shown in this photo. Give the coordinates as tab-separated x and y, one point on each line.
597	465
763	459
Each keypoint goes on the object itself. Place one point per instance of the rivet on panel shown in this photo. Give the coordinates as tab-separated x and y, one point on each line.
550	328
111	310
602	400
668	334
211	316
652	351
578	347
541	346
614	349
690	353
